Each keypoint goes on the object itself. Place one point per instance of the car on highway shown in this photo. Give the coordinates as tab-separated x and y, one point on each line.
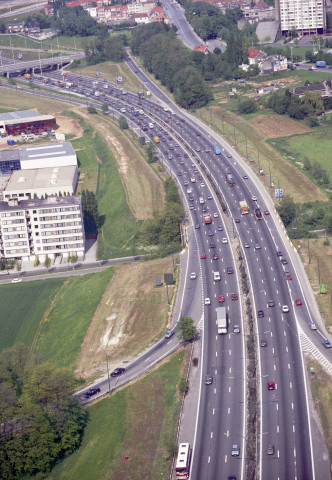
260	313
312	326
197	225
202	184
185	183
230	270
266	212
326	343
169	334
118	371
200	177
216	215
235	450
245	177
215	257
191	207
298	302
193	180
212	245
237	220
257	246
207	150
221	298
284	261
270	385
263	343
288	276
279	253
234	296
285	308
191	198
224	240
186	155
204	209
208	379
92	391
203	255
271	303
198	149
178	155
254	198
236	329
193	275
270	449
210	233
17	280
207	301
246	245
220	228
209	197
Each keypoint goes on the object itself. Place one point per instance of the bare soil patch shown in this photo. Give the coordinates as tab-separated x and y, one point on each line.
131	315
274	126
68	126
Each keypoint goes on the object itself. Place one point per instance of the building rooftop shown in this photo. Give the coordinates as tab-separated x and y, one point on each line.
45	152
42	178
19	115
51	201
7	155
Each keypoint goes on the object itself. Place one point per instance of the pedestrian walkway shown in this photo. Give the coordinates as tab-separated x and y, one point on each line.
309	347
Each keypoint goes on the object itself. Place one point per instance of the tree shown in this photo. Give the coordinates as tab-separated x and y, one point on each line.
114	49
150	152
287	210
47	262
123	124
92	110
248	106
187	330
104	108
90	212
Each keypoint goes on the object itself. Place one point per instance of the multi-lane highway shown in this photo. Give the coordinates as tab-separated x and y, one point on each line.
282	410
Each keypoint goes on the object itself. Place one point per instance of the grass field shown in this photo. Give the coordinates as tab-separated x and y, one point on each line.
19	320
316	146
64	325
320	268
321	388
139	421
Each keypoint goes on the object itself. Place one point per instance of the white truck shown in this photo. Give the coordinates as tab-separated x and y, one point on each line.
221	320
216	276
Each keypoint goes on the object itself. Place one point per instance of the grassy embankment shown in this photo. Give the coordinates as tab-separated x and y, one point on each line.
139	422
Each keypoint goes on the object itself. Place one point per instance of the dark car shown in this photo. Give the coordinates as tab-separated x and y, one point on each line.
117	371
263	343
208	379
326	343
279	253
271	303
92	391
260	313
212	245
284	261
270	449
230	270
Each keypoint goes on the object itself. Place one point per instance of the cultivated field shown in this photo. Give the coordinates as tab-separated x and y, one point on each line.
131	315
138	421
274	126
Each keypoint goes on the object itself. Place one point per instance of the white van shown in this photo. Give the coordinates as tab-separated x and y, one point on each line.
216	276
201	200
151	125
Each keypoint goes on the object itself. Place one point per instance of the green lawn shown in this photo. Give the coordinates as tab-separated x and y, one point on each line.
315	146
60	337
138	421
19	319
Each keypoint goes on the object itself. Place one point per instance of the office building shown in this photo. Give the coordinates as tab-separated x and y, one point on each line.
308	17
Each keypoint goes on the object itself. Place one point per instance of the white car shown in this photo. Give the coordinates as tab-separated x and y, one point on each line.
202	184
254	198
17	280
207	301
285	308
312	326
4	272
193	275
193	180
189	190
224	240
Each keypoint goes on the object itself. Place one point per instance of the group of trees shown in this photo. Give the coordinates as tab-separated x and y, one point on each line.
315	57
164	229
90	212
172	63
105	47
41	421
283	102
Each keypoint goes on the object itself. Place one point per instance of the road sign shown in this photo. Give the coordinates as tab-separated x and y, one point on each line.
168	278
323	288
19	56
278	192
119	79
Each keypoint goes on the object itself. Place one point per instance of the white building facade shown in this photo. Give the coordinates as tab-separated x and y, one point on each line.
31	229
306	16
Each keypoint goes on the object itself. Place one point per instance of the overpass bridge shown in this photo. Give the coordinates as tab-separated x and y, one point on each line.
38	65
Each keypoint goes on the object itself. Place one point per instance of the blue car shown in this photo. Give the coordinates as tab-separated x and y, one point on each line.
197	225
211	233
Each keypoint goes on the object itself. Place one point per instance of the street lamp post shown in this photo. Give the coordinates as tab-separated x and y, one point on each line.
108	372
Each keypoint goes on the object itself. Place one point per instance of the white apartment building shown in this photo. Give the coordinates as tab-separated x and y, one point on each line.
32	229
307	16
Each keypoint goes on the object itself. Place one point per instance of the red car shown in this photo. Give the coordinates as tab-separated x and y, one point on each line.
157	109
215	257
203	255
270	386
199	177
237	220
266	212
166	120
221	298
288	276
178	155
138	123
170	138
298	302
182	119
234	296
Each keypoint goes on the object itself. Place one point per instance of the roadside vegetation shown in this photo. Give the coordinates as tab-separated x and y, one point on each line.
138	422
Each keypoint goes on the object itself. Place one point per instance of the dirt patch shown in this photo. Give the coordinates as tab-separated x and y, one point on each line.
131	315
68	126
274	126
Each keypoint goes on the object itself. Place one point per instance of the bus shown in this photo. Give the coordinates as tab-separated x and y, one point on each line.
230	179
244	207
258	214
183	461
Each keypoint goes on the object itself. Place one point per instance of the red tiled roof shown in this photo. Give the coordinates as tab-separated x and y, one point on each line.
253	52
200	48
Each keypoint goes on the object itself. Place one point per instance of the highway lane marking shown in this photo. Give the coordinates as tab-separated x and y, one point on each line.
229	410
290	385
215	391
287	349
211	436
294	452
229	352
229	389
209	459
216	354
292	406
213	411
293	428
277	428
274	367
288	366
225	458
277	406
147	359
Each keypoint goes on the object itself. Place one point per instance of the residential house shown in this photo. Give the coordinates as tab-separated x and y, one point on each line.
201	48
141	17
49	10
15	27
324	88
